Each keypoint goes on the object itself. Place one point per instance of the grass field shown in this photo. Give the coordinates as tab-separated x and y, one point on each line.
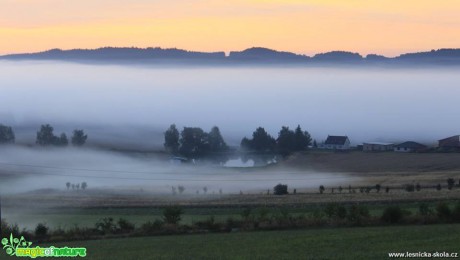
87	217
338	243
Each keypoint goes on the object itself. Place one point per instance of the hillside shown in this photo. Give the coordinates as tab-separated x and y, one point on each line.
361	162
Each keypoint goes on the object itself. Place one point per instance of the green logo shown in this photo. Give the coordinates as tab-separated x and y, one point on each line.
21	248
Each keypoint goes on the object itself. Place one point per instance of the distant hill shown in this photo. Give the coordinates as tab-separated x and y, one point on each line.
441	56
264	54
338	56
112	53
255	55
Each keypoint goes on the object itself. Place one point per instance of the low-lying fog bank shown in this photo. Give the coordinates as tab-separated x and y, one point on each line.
37	169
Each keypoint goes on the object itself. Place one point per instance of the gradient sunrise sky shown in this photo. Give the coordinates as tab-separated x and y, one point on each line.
388	27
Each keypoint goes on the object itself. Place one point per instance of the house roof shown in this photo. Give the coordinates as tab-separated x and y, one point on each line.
457	136
411	145
378	143
336	140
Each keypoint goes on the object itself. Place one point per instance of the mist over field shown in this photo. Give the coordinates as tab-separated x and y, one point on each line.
130	107
51	168
133	105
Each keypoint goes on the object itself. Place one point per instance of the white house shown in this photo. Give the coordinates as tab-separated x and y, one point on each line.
334	142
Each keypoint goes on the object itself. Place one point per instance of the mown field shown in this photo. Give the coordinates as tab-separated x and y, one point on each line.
337	243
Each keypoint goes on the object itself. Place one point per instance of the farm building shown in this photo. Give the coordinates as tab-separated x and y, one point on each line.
409	147
377	147
450	143
334	142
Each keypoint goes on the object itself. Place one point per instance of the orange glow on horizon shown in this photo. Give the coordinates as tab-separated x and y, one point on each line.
305	27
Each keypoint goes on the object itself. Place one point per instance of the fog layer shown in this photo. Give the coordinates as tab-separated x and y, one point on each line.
135	104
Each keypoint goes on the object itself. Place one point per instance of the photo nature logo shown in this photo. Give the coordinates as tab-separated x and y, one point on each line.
21	248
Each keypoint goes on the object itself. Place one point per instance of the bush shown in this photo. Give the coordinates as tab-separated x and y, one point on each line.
438	187
456	212
106	226
424	210
443	211
125	226
152	227
8	229
418	187
392	214
409	187
280	189
246	214
41	231
450	183
172	214
321	189
357	214
334	210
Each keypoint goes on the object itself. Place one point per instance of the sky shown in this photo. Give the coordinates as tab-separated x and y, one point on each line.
387	27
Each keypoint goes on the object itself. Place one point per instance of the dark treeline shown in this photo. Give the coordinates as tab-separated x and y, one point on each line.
193	142
288	141
45	136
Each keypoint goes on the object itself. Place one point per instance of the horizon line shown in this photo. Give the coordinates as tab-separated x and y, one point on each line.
227	54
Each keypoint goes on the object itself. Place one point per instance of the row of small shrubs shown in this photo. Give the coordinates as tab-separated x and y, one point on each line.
332	214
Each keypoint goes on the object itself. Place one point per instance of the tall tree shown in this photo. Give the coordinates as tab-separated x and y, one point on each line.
6	134
171	143
216	141
193	142
45	135
79	137
302	139
62	140
261	141
286	141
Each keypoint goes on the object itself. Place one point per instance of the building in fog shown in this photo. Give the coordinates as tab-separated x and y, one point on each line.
377	147
410	147
450	143
334	142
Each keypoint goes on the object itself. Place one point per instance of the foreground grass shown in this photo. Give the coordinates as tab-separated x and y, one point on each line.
338	243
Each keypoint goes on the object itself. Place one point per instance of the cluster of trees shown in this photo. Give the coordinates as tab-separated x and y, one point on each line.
6	134
193	142
46	137
77	186
288	141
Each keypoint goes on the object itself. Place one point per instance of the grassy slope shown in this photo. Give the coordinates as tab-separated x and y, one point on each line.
341	243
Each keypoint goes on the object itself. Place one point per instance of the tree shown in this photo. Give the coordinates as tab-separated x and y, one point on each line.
321	189
172	214
84	185
193	142
392	214
79	137
67	185
6	134
280	189
302	139
216	141
171	143
181	189
61	140
261	141
45	135
450	183
286	142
